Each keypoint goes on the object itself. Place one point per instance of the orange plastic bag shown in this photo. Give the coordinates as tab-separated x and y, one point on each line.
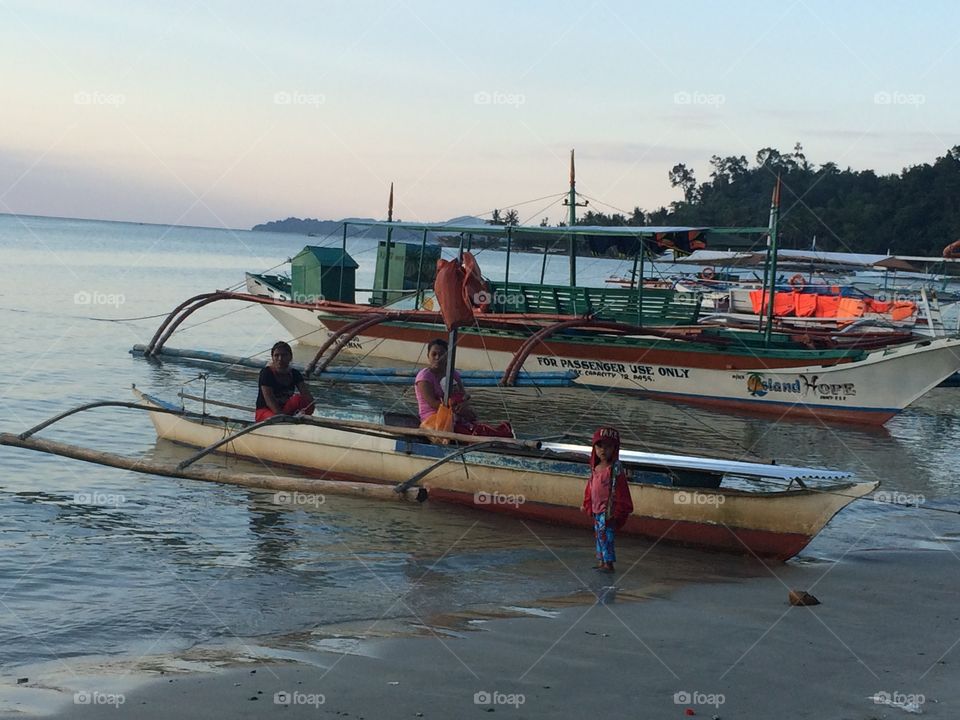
442	420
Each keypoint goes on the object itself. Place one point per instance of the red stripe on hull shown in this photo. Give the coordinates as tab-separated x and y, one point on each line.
859	416
743	541
704	359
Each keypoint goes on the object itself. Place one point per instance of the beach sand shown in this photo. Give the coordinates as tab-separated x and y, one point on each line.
888	628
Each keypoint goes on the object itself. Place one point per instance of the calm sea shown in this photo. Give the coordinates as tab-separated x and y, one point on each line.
99	562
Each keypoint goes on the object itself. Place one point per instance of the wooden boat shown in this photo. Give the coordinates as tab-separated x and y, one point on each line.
638	339
864	378
765	510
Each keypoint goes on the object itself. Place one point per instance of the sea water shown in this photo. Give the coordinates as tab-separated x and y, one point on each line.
99	562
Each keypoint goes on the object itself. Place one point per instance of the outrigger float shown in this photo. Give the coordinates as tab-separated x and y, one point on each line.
766	510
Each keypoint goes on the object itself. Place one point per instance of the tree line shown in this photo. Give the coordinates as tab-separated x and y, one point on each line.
914	212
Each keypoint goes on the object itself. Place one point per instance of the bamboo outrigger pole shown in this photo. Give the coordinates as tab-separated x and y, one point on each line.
250	480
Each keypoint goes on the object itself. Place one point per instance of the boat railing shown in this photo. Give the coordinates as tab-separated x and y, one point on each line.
651	307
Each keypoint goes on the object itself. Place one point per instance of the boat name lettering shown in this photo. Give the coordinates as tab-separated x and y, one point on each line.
758	386
828	391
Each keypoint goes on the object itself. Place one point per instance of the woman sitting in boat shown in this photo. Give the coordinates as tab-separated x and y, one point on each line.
283	390
429	386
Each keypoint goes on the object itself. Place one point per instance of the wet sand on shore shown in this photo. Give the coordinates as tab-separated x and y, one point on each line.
887	631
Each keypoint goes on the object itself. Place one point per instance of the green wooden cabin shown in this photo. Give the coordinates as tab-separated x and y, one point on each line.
323	273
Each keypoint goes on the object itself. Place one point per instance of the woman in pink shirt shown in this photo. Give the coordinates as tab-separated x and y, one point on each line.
429	388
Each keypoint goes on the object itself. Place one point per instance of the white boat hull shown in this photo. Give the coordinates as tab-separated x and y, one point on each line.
768	524
870	390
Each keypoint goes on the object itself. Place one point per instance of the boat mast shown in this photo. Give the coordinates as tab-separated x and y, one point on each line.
571	202
386	259
772	257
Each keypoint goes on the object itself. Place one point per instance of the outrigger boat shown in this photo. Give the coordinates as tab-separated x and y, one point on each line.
636	338
769	511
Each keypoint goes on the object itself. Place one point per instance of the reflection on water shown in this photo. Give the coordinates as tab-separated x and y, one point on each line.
98	560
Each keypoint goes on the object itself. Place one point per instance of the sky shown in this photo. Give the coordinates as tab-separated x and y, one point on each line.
228	114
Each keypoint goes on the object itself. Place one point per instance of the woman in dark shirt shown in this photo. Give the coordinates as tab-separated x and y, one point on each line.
282	388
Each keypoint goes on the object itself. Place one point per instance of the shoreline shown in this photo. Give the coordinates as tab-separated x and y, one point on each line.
887	629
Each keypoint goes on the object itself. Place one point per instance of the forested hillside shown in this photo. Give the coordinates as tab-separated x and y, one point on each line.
915	212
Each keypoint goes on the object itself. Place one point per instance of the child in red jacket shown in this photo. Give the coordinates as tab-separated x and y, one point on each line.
606	497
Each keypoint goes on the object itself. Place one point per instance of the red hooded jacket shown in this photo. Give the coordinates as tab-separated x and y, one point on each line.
620	506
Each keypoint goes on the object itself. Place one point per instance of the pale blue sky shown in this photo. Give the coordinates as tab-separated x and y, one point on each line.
233	113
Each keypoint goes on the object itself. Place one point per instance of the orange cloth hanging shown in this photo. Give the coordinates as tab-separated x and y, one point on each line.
827	306
783	304
902	309
449	289
850	308
475	291
805	304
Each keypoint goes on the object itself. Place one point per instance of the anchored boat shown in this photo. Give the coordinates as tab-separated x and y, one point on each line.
770	511
635	338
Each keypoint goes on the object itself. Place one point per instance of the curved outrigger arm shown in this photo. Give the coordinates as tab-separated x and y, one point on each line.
407	484
340	339
109	403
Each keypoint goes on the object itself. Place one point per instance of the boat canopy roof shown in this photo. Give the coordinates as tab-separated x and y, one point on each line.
725	467
627	238
789	258
563	230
